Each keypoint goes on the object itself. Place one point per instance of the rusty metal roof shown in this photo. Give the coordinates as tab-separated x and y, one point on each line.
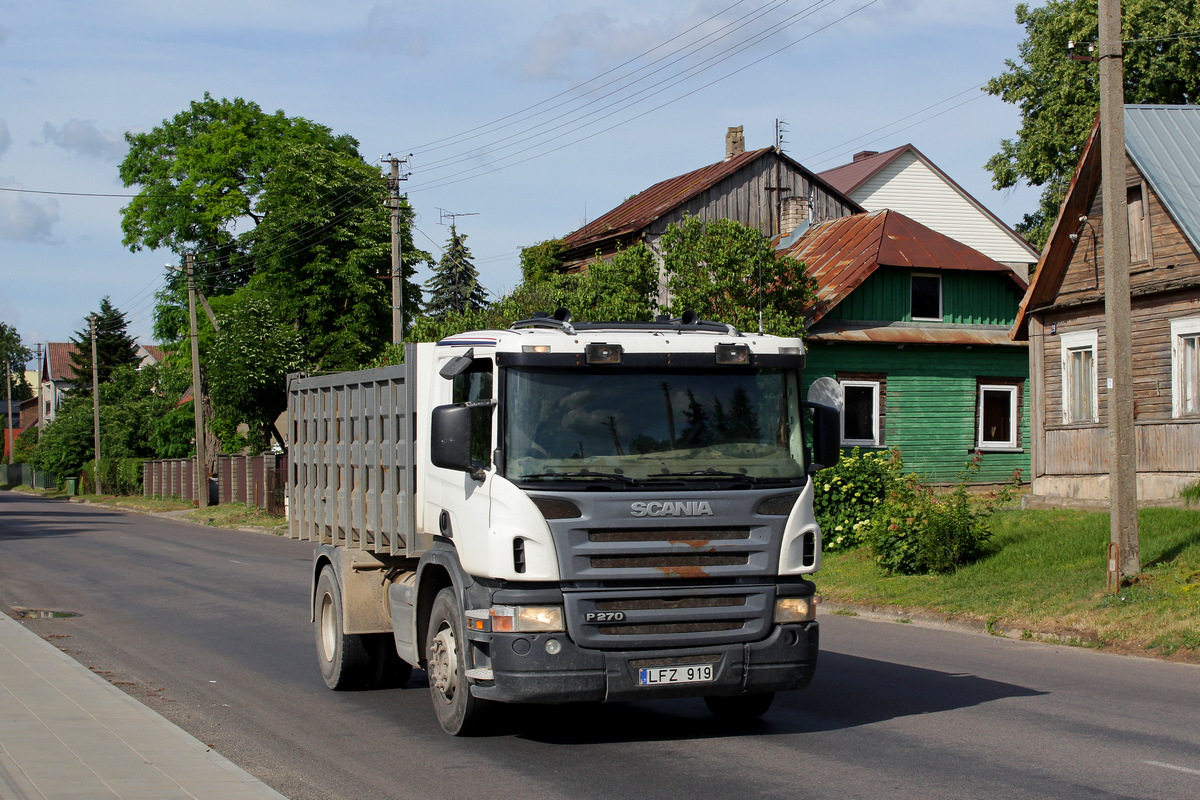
842	253
849	177
660	199
913	333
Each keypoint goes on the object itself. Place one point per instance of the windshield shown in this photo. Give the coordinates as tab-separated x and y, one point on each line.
626	426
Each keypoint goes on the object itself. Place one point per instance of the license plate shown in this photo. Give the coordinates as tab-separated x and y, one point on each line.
690	673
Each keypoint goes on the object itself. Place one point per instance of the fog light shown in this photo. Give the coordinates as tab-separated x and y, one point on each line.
553	647
796	609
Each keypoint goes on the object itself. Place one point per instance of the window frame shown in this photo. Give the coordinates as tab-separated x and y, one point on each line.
941	315
874	386
1139	228
1078	341
1013	390
1182	329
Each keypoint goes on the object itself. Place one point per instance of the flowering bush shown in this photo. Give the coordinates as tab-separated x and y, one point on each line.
916	531
847	495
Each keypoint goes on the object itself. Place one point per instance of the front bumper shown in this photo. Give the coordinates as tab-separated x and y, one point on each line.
523	672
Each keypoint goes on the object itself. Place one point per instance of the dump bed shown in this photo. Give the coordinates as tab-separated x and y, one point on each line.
351	479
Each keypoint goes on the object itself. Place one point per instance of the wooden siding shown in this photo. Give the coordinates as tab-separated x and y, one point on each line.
910	186
744	197
1161	447
1164	444
931	406
1172	264
967	298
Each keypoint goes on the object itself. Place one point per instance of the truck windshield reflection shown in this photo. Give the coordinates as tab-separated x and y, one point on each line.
631	426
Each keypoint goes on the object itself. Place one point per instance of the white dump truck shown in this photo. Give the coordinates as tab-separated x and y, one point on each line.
563	512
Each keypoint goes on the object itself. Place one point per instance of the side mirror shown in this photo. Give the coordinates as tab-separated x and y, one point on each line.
827	436
450	438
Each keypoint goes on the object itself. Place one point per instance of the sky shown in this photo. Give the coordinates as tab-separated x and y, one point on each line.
526	119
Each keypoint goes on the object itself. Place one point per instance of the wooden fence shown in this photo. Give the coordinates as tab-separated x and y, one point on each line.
259	480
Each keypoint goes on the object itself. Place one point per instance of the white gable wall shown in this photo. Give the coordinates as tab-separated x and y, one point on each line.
910	186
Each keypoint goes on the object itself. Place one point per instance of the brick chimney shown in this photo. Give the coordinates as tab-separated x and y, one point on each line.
859	156
794	212
735	142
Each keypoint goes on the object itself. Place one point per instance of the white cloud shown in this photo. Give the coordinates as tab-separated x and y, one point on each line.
5	137
24	219
83	137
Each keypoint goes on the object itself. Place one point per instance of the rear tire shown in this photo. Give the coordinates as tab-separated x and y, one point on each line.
739	707
343	658
458	710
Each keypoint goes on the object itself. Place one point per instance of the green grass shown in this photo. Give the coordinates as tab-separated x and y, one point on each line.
1045	576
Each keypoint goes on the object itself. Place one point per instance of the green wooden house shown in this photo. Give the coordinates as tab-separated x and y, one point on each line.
913	325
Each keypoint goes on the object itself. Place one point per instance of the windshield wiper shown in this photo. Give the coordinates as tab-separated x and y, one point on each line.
583	473
704	473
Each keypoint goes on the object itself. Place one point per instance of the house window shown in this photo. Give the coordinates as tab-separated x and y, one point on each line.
1185	367
998	415
1079	377
860	413
926	295
1138	249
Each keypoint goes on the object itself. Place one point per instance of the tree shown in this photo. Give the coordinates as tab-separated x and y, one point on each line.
279	204
249	364
16	355
1059	97
454	286
114	348
729	272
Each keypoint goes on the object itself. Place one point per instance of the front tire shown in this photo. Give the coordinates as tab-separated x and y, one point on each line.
739	707
458	711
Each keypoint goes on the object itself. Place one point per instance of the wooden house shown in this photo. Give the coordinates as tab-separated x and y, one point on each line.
1062	317
57	378
914	326
762	189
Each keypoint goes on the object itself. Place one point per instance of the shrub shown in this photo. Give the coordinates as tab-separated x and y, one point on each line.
121	476
917	531
847	495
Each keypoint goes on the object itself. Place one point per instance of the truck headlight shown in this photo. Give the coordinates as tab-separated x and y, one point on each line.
527	619
796	609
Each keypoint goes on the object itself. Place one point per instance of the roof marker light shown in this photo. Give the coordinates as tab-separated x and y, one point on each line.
736	354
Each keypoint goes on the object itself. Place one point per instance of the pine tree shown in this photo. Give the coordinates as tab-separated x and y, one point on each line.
454	287
114	348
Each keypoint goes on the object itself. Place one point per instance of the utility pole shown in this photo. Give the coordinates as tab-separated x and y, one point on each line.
12	442
95	409
40	399
1123	559
397	268
201	474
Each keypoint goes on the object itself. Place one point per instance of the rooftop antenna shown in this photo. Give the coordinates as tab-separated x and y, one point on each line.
452	216
780	134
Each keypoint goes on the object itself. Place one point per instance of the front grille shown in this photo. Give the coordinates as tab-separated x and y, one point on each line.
667	562
674	616
696	537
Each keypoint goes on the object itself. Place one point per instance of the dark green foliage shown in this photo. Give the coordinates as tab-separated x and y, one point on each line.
541	261
730	272
454	287
121	476
918	531
1059	97
280	205
115	348
620	289
23	450
848	495
17	355
249	361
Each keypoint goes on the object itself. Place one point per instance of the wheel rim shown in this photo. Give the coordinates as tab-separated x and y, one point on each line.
443	663
328	628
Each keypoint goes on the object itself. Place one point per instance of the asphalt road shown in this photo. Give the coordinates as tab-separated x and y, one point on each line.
211	629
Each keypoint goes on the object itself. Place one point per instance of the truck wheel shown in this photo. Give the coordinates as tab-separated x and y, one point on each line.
740	707
343	658
457	709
